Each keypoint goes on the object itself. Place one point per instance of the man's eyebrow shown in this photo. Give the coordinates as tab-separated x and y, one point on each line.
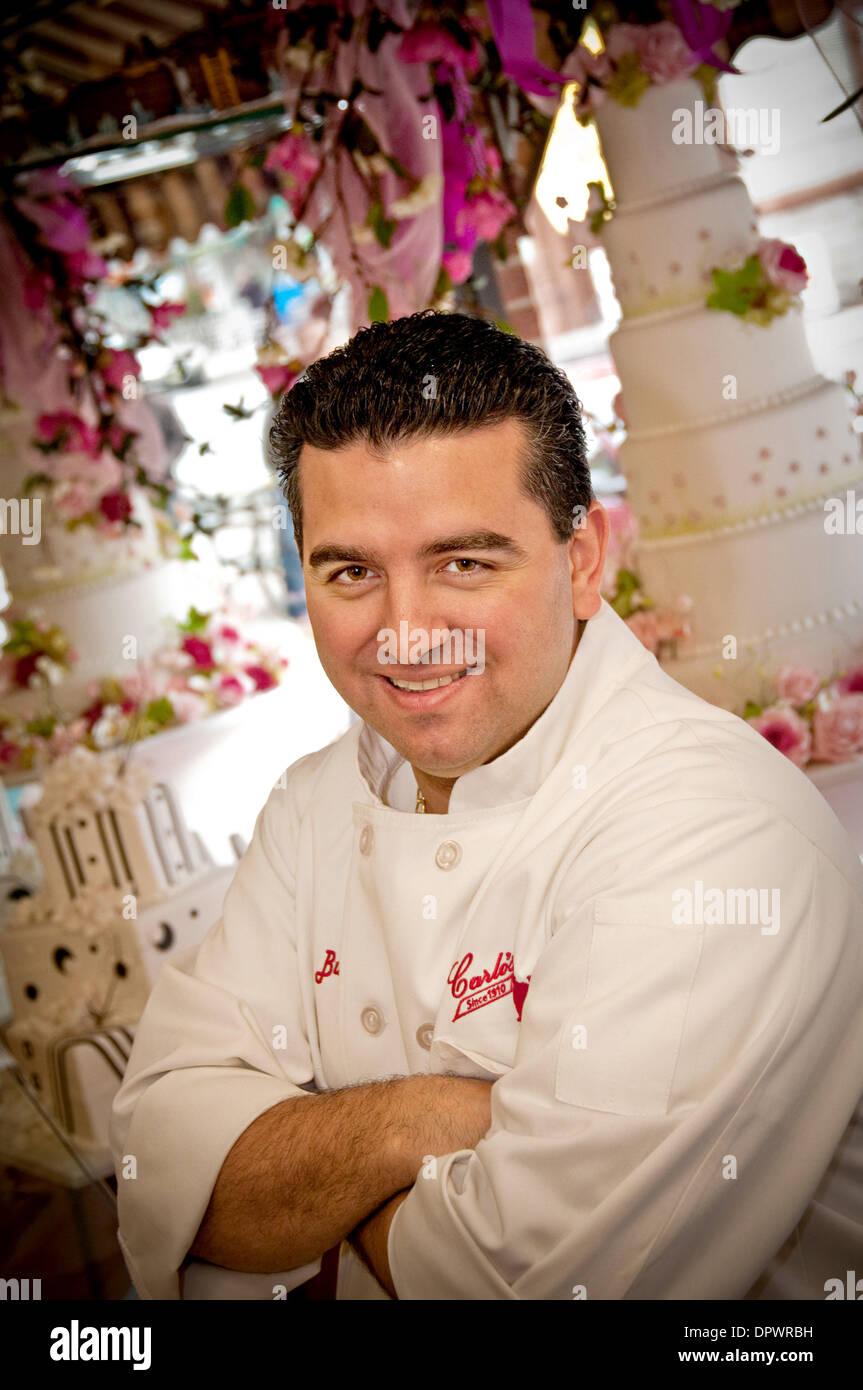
472	540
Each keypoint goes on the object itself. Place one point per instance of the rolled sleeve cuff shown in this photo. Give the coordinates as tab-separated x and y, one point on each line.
182	1129
431	1254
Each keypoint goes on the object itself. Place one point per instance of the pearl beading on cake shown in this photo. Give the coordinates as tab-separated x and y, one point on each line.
852	608
736	410
772	518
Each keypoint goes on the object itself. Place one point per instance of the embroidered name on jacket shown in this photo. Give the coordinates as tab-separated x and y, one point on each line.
474	991
330	967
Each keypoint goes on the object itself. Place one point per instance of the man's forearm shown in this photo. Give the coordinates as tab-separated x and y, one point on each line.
308	1170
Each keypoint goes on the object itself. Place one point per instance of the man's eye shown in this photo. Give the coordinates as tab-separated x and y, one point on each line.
347	570
465	560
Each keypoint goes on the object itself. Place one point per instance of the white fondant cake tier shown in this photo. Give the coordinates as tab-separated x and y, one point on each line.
758	580
100	617
59	973
677	367
747	466
654	270
826	647
63	558
640	153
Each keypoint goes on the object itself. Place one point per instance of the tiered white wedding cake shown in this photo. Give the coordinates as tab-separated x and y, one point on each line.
126	886
740	460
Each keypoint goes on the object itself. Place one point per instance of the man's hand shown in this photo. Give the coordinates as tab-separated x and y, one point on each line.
370	1238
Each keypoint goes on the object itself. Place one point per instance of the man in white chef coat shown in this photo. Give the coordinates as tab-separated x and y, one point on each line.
544	981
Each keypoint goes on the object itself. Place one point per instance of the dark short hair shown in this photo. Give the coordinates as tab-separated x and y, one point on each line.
436	373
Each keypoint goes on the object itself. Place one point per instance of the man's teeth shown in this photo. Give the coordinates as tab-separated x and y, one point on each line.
426	685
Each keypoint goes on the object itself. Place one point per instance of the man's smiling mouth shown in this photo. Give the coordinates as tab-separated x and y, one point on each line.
425	685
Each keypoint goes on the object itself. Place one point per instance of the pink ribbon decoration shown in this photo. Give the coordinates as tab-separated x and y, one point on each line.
512	27
702	26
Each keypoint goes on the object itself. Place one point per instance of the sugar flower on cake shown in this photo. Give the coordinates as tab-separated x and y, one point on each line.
788	732
838	730
634	58
766	285
35	653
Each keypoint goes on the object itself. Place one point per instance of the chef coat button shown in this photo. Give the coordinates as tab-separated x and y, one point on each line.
425	1035
366	840
448	854
372	1020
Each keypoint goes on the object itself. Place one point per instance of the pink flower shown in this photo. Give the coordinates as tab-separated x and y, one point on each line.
788	733
116	365
188	706
62	224
293	155
74	499
230	691
458	265
162	315
68	430
491	155
9	752
784	267
839	730
263	679
48	183
229	634
200	651
797	684
277	378
115	506
425	43
487	214
851	683
646	628
86	265
623	38
64	739
665	54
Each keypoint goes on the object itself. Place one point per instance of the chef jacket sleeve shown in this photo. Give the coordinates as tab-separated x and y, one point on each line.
678	1088
220	1041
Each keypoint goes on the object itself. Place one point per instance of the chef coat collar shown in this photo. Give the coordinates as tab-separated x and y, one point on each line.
605	659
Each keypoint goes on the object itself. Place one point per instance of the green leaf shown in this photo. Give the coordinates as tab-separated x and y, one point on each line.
194	621
398	168
751	710
443	284
378	308
185	551
42	727
160	711
37	480
240	206
383	227
238	411
204	449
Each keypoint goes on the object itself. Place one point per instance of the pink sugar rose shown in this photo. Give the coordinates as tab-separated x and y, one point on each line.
646	628
624	38
74	433
201	652
9	752
458	265
230	691
116	365
188	706
86	265
487	214
261	676
787	731
797	684
839	730
163	315
115	506
784	267
74	499
665	54
851	683
277	378
229	634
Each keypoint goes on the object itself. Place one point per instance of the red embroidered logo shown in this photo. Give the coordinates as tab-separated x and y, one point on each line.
475	991
330	967
519	994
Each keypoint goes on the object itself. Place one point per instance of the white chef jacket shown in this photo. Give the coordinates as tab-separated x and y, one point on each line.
673	1114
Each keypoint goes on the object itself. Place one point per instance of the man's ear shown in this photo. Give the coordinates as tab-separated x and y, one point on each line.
587	552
